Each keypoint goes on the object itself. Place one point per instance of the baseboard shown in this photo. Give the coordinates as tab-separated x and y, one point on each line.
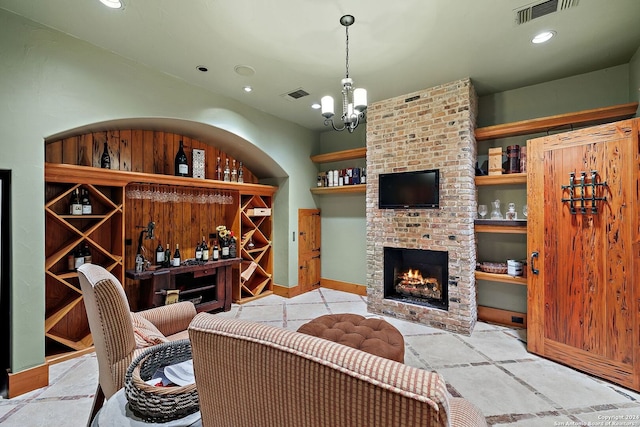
337	285
502	317
28	380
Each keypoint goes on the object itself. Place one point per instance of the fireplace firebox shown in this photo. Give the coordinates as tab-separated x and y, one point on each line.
417	276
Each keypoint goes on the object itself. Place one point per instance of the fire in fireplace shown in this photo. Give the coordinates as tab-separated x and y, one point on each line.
417	276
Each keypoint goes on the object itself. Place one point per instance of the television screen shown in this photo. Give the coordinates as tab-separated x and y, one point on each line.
419	189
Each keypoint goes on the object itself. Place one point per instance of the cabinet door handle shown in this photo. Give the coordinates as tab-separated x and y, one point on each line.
534	256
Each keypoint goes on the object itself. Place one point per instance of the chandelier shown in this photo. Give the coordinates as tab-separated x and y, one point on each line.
354	101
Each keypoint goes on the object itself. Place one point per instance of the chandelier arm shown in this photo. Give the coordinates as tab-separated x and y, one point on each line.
328	122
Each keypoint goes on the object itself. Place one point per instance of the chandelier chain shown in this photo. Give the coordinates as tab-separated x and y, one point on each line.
347	51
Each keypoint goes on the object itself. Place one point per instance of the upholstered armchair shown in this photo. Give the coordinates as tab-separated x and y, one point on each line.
119	335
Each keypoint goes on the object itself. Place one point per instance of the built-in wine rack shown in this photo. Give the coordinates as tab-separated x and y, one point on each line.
255	279
66	324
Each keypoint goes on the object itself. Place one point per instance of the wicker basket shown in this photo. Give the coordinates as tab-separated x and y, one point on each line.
160	404
493	267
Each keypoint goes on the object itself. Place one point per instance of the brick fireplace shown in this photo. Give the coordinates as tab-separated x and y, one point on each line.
428	129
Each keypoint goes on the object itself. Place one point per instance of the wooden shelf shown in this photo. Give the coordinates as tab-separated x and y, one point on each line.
504	179
355	153
344	189
502	317
503	229
503	278
544	124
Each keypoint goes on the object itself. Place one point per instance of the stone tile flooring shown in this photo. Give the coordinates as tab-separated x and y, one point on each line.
491	368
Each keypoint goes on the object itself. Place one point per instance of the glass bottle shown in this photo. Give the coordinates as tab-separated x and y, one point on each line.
495	212
176	257
105	160
511	211
159	254
240	173
227	172
218	170
87	208
234	172
181	165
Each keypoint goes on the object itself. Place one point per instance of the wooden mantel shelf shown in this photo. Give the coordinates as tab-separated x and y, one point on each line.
355	153
58	172
543	124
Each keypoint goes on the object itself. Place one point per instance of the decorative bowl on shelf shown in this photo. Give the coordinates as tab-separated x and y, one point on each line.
493	267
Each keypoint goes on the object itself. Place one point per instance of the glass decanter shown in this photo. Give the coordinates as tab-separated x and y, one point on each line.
495	212
511	211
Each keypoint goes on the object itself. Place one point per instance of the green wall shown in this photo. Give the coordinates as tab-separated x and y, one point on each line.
634	79
343	216
51	83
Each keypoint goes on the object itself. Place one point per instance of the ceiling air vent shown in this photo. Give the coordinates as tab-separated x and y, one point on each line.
295	94
536	10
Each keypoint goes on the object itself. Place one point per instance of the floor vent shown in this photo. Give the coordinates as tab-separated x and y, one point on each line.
536	10
295	94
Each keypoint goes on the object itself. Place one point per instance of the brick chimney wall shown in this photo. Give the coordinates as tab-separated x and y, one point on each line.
428	129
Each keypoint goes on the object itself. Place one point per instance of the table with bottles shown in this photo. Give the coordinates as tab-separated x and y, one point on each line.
206	284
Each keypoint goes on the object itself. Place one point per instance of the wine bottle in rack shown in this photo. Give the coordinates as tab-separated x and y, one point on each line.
79	256
240	173
225	249
75	207
227	171
87	208
175	262
105	160
233	244
159	254
86	253
205	250
181	164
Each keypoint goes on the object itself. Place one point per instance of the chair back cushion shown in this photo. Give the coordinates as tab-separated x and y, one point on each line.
110	323
254	374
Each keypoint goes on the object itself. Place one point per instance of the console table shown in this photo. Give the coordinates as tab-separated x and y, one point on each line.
208	285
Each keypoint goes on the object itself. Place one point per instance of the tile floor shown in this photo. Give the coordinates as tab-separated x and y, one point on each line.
491	368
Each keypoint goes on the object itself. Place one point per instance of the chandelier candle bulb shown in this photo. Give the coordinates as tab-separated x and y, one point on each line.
327	106
360	99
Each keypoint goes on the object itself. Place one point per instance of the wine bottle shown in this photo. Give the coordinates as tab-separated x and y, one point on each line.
75	207
105	160
363	176
227	172
71	261
233	244
79	255
234	172
86	253
167	257
240	173
218	170
181	165
87	208
225	248
159	254
198	252
216	251
205	250
176	257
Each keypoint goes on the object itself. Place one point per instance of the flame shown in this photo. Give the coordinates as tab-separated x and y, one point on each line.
412	275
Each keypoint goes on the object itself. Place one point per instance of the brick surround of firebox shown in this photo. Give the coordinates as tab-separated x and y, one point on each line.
428	129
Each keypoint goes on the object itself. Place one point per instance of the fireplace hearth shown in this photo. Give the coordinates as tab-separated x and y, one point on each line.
417	276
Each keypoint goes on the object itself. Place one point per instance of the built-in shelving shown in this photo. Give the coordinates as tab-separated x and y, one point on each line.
504	179
354	153
343	189
503	278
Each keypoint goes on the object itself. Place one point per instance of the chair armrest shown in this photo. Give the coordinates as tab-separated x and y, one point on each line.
465	414
171	318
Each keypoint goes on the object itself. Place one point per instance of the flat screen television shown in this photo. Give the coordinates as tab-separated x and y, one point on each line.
403	190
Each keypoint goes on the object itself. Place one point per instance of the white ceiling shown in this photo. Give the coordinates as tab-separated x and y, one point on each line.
395	47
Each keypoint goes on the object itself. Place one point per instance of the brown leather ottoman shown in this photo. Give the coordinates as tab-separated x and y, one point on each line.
375	336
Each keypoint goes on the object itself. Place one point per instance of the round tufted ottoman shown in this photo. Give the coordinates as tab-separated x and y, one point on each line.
375	336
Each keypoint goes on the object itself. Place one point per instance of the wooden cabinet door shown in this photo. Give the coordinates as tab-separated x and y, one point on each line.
584	301
308	249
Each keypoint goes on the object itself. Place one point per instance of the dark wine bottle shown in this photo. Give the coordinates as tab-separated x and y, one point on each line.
87	208
233	243
176	257
167	257
181	165
198	252
79	256
224	248
105	160
87	254
159	254
205	250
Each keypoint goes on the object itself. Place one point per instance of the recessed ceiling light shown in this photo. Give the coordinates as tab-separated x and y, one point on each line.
315	106
202	68
244	70
543	37
113	4
247	88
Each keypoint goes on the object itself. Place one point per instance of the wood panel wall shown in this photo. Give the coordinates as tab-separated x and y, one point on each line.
137	151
